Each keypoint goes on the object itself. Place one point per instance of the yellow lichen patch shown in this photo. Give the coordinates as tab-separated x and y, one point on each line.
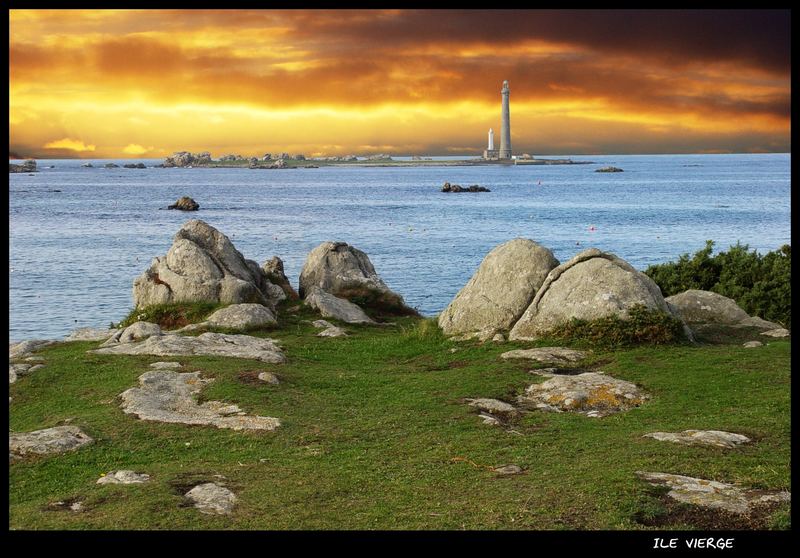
604	397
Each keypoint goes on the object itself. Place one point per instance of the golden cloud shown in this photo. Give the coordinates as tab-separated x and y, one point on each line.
69	143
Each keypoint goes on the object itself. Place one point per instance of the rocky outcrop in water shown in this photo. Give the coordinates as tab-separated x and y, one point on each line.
447	187
202	265
609	169
186	159
185	203
134	166
25	166
500	290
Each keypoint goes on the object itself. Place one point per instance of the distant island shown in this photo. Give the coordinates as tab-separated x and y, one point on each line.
185	159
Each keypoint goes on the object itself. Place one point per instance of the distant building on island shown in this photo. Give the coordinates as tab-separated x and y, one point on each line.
505	131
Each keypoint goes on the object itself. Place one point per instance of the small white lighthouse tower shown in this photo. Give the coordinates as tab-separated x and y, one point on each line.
490	152
491	139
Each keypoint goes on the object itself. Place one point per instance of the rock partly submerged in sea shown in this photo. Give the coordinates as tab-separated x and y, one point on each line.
185	203
26	166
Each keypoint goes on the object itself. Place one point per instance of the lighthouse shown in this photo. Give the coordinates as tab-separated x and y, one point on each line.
505	125
491	140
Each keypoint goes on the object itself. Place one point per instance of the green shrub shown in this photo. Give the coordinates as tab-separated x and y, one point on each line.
171	316
761	285
643	326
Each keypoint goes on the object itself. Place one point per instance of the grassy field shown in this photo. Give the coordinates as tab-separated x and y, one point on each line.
375	434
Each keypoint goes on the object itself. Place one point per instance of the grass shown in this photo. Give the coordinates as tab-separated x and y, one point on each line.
375	434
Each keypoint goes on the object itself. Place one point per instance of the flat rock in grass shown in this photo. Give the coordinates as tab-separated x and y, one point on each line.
269	378
331	306
168	396
713	494
333	331
137	331
90	334
242	316
753	344
713	438
590	393
494	407
778	333
322	324
58	439
212	498
212	344
556	355
15	370
508	470
123	477
26	348
166	365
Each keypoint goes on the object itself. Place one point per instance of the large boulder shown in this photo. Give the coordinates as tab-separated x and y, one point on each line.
590	286
202	265
137	331
26	166
345	271
705	307
501	289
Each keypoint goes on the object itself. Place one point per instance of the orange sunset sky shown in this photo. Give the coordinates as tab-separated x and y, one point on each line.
145	83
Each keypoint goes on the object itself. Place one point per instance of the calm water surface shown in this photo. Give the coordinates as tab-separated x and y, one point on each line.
79	236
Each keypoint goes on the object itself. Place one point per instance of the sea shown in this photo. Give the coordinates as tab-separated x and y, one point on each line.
79	236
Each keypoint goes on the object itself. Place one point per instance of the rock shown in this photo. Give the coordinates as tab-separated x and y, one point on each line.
273	269
501	289
332	331
202	265
58	439
137	331
90	334
554	355
608	169
331	306
713	438
713	494
87	165
135	166
267	156
447	187
186	159
495	407
591	285
498	338
269	378
168	396
123	477
26	348
698	307
25	166
242	316
753	344
211	498
18	369
213	344
279	164
185	204
590	393
508	470
111	166
780	333
166	365
346	272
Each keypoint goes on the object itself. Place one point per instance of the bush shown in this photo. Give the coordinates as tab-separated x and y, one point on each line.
761	285
643	326
170	316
